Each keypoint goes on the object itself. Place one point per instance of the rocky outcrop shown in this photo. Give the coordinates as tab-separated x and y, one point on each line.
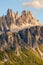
29	37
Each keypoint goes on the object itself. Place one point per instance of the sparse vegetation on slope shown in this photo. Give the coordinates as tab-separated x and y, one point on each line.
27	57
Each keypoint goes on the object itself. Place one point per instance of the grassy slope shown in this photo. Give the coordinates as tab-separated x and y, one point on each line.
27	57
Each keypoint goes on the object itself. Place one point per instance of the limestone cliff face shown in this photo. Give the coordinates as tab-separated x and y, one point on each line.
32	36
29	31
29	37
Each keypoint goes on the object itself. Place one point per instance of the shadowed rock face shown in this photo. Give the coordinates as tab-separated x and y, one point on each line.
30	37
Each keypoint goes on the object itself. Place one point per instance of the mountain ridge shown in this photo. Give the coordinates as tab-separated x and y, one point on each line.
12	20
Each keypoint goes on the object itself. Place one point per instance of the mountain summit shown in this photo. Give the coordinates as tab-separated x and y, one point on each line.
12	20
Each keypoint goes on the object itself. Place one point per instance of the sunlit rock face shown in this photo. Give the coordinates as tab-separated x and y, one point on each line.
11	20
27	18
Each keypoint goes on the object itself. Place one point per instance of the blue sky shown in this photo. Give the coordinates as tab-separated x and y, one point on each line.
18	5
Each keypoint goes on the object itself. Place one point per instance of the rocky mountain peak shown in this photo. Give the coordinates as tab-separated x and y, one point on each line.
10	13
27	18
12	21
24	12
